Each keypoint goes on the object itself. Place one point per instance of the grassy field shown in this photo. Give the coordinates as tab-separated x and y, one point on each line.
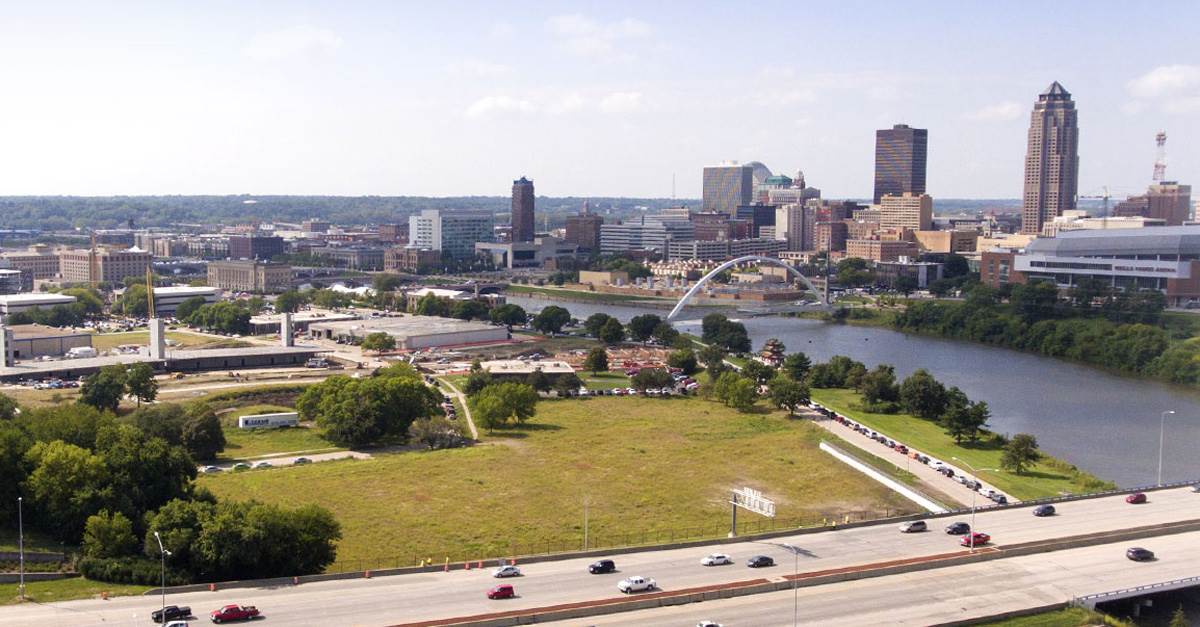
652	470
604	380
106	341
65	590
1049	477
247	443
1069	617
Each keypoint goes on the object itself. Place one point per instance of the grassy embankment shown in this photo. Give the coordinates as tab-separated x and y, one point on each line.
65	590
1049	477
251	443
107	341
579	295
652	469
1069	617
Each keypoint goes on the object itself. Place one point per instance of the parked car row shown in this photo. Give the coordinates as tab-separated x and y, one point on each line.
941	467
176	616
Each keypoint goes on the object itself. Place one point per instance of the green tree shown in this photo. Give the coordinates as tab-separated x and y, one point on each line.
906	285
498	404
713	358
566	383
108	534
665	335
133	302
379	342
201	434
612	333
651	378
596	360
140	383
477	380
642	327
288	302
787	393
431	305
758	372
539	380
1034	301
796	366
92	302
8	408
188	307
551	319
508	315
14	442
362	412
735	391
685	360
328	299
596	322
1020	453
104	389
923	396
469	310
66	485
384	282
955	266
435	432
1179	618
854	272
879	385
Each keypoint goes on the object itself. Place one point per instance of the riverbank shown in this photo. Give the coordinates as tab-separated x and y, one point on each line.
595	298
1048	477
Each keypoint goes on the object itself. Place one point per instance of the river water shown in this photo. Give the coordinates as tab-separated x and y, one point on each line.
1103	423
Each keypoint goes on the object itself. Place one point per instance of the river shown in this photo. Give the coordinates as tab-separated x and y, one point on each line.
1101	422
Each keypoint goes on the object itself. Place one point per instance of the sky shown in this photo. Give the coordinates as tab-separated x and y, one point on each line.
586	98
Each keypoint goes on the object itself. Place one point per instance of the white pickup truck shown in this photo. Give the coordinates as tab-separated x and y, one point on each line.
636	584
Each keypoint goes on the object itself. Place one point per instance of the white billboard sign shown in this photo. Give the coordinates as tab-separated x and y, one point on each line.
753	500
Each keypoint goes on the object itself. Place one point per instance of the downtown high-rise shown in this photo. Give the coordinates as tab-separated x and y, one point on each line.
727	186
900	156
1051	161
522	210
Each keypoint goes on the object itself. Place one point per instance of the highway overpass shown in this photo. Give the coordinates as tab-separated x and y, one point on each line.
426	596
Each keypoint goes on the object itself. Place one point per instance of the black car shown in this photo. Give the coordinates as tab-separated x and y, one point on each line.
1043	510
958	528
1000	499
601	567
760	561
1138	554
173	612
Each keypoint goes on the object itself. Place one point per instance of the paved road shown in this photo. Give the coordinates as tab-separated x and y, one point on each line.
938	596
288	459
389	600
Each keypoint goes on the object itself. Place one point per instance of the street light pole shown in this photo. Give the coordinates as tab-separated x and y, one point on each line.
163	553
975	477
1162	427
21	545
795	590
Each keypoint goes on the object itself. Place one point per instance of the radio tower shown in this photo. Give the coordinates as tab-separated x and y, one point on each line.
1160	157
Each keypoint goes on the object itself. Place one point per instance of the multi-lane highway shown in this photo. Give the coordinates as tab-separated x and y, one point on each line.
397	599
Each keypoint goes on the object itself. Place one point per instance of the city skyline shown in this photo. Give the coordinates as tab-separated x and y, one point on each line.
613	100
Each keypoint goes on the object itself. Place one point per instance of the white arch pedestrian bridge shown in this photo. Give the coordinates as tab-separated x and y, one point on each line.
733	262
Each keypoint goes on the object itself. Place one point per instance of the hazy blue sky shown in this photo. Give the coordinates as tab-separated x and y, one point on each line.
597	98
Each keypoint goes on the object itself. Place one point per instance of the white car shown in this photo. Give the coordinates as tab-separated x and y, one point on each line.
177	623
708	623
506	571
211	469
636	584
716	559
263	465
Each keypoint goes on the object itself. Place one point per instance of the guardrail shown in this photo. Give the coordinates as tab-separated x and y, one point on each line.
1089	601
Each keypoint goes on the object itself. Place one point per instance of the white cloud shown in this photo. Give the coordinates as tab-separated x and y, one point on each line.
302	40
567	103
999	112
585	37
479	69
502	30
490	105
621	102
1165	80
1190	104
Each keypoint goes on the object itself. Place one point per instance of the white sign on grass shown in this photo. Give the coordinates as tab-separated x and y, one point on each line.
753	500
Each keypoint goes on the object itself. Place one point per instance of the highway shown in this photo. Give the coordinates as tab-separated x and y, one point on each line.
397	599
939	596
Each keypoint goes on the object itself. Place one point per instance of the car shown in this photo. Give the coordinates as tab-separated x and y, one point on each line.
961	479
716	559
1137	498
636	584
1043	510
958	528
301	460
760	561
170	612
502	591
1138	554
177	623
977	538
708	623
602	566
506	571
208	470
988	492
241	466
262	465
999	499
913	526
1196	488
234	612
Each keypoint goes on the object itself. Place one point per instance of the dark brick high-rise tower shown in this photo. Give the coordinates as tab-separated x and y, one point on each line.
522	210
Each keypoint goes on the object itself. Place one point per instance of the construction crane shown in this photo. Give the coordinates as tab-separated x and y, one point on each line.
151	312
1160	157
1103	195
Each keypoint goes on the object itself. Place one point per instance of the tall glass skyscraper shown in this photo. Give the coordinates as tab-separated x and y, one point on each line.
900	154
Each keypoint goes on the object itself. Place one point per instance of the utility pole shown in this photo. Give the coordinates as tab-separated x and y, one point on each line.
585	522
21	545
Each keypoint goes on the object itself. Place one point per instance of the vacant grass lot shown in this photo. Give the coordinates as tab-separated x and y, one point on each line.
1049	477
652	469
247	443
106	341
65	590
604	380
1070	617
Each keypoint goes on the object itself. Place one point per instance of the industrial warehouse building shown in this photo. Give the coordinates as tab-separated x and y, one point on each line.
412	332
13	303
31	341
167	299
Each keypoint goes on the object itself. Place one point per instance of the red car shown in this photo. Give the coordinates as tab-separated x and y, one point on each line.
1137	498
234	612
502	591
979	538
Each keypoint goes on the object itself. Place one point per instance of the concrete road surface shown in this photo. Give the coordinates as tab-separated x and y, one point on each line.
391	600
939	596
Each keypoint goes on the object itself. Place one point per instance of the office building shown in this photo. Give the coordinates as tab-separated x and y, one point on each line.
722	250
167	299
947	241
396	233
315	226
792	227
533	254
900	155
452	233
248	275
922	272
727	186
583	229
645	233
406	259
522	210
880	250
758	215
831	236
906	211
262	247
39	260
353	257
1167	201
13	281
1051	161
104	265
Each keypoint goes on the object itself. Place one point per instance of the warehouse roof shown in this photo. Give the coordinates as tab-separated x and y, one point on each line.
1153	240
